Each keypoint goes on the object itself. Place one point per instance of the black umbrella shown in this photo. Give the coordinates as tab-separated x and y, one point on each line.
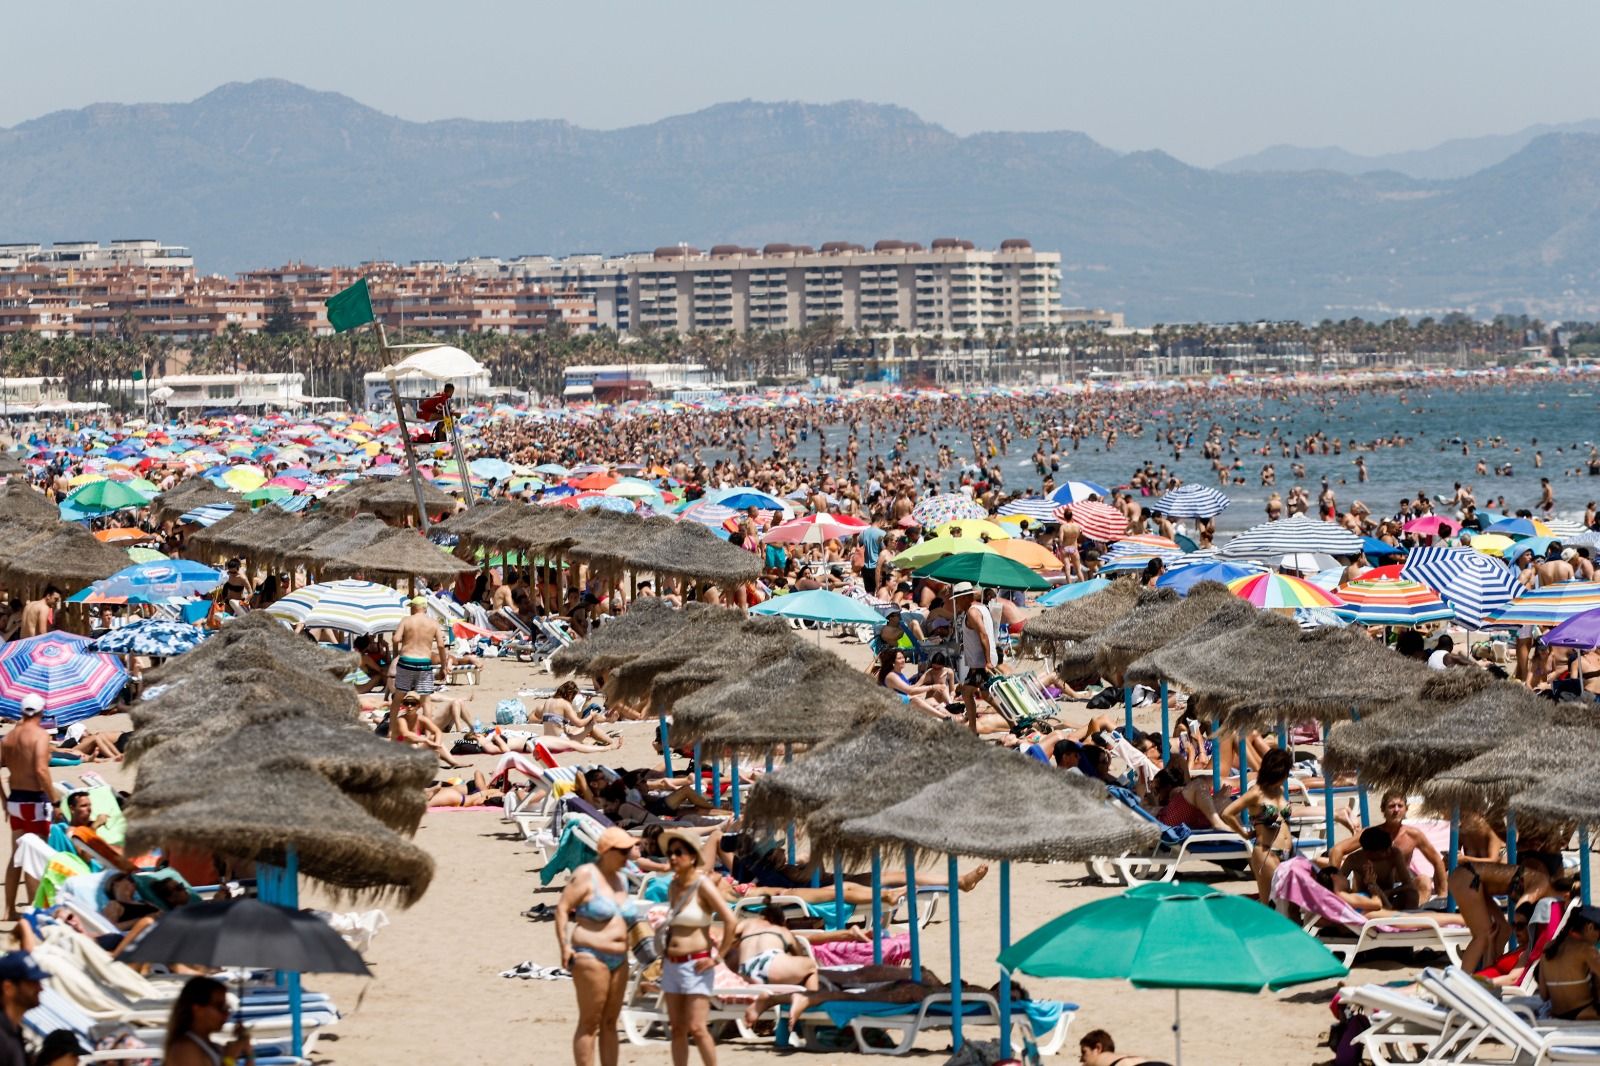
247	933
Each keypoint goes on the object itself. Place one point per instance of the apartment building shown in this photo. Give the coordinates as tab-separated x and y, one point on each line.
949	287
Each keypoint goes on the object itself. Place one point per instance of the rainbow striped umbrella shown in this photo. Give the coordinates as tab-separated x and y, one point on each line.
360	607
1281	592
1547	606
1150	542
74	683
1390	602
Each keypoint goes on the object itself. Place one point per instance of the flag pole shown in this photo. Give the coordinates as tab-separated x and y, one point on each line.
405	434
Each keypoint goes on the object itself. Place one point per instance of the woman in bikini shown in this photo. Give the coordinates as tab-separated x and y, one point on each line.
475	793
1569	973
891	675
767	953
593	917
1475	886
1185	800
1268	806
689	955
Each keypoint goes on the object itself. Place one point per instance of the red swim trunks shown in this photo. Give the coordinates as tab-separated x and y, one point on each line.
29	811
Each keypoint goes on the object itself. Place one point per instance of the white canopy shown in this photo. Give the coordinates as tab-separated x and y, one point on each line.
441	362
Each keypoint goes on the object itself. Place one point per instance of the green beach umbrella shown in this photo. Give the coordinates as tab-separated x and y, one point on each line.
987	569
267	493
103	497
924	552
145	555
1178	935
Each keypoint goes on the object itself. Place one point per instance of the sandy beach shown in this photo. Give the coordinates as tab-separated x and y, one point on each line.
436	994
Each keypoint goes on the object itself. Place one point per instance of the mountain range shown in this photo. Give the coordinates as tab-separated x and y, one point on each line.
261	173
1455	158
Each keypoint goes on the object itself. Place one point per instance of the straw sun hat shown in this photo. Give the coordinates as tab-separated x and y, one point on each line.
688	840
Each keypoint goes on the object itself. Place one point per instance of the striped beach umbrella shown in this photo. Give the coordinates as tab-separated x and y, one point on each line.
1099	521
351	606
1562	528
1191	501
937	510
209	515
1472	583
1078	491
1150	541
1035	507
1547	606
74	682
1281	592
157	637
1378	602
1298	534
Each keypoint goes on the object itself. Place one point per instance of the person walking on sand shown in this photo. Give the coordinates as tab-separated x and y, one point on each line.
593	917
689	958
25	754
419	644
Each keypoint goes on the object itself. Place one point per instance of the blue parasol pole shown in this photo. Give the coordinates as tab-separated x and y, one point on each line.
916	931
1455	850
1327	799
1361	789
1511	857
733	779
716	778
291	892
1216	757
788	757
1583	860
838	885
955	954
1244	763
666	744
1166	729
694	769
1005	942
1127	704
877	908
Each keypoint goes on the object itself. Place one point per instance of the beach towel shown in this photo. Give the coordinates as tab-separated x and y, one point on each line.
1295	882
570	854
896	952
1043	1014
1171	835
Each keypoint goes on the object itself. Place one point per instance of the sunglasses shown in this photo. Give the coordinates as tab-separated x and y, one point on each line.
679	853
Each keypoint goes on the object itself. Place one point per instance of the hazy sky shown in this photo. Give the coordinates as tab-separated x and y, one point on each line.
1206	81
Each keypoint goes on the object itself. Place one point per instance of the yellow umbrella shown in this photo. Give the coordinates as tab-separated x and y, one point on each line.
1491	543
86	479
1029	553
927	551
244	478
972	528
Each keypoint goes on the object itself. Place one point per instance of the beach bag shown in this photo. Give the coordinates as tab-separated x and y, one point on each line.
466	747
510	712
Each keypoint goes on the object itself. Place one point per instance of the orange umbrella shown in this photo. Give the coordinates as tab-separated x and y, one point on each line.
117	536
594	482
1029	553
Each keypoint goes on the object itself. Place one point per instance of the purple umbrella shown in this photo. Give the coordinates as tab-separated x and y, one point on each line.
1579	631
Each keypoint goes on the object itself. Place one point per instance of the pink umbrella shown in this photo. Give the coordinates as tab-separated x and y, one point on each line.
814	529
1432	525
293	484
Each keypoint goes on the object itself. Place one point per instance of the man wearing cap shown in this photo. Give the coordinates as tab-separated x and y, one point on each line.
20	984
978	643
25	754
419	645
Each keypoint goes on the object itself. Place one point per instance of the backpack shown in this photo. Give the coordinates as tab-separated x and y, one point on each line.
510	712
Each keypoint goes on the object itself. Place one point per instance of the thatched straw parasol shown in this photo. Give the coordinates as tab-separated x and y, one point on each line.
256	639
1005	809
391	498
193	713
1081	618
10	465
635	631
18	533
605	539
807	696
260	814
1160	622
212	542
760	642
258	534
71	558
1563	799
399	554
717	632
1408	748
186	496
1077	656
333	544
689	550
387	779
18	499
1518	762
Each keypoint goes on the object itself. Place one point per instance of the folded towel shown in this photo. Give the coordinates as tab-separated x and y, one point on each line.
896	952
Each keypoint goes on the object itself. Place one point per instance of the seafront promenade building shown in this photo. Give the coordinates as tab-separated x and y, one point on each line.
950	287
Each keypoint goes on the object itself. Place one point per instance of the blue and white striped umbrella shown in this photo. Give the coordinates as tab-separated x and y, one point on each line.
359	607
293	504
209	515
1589	538
1290	535
1472	583
1192	501
1035	507
1078	491
151	636
1121	560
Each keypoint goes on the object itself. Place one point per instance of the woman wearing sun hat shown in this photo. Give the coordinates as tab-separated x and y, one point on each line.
593	917
688	956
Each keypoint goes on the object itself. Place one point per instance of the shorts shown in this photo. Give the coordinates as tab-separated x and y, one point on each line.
29	811
413	675
681	978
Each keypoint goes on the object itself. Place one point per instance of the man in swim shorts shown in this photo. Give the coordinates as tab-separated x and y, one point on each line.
25	753
419	645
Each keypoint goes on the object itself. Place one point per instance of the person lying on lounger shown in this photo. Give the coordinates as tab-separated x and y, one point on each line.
1375	876
474	793
766	952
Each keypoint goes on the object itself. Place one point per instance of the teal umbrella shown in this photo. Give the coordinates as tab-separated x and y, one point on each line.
103	497
988	569
820	605
1178	935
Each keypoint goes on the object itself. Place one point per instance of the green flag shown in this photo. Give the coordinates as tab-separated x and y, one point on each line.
350	308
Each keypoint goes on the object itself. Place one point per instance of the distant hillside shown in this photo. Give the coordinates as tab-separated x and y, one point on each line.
1450	159
257	174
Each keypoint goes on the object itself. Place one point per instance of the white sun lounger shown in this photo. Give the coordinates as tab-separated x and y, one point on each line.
644	1012
1405	1028
1502	1024
935	1013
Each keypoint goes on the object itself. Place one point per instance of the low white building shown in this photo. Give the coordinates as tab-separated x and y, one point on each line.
203	391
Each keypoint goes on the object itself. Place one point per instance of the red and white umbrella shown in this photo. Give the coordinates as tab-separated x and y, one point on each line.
1099	521
814	529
